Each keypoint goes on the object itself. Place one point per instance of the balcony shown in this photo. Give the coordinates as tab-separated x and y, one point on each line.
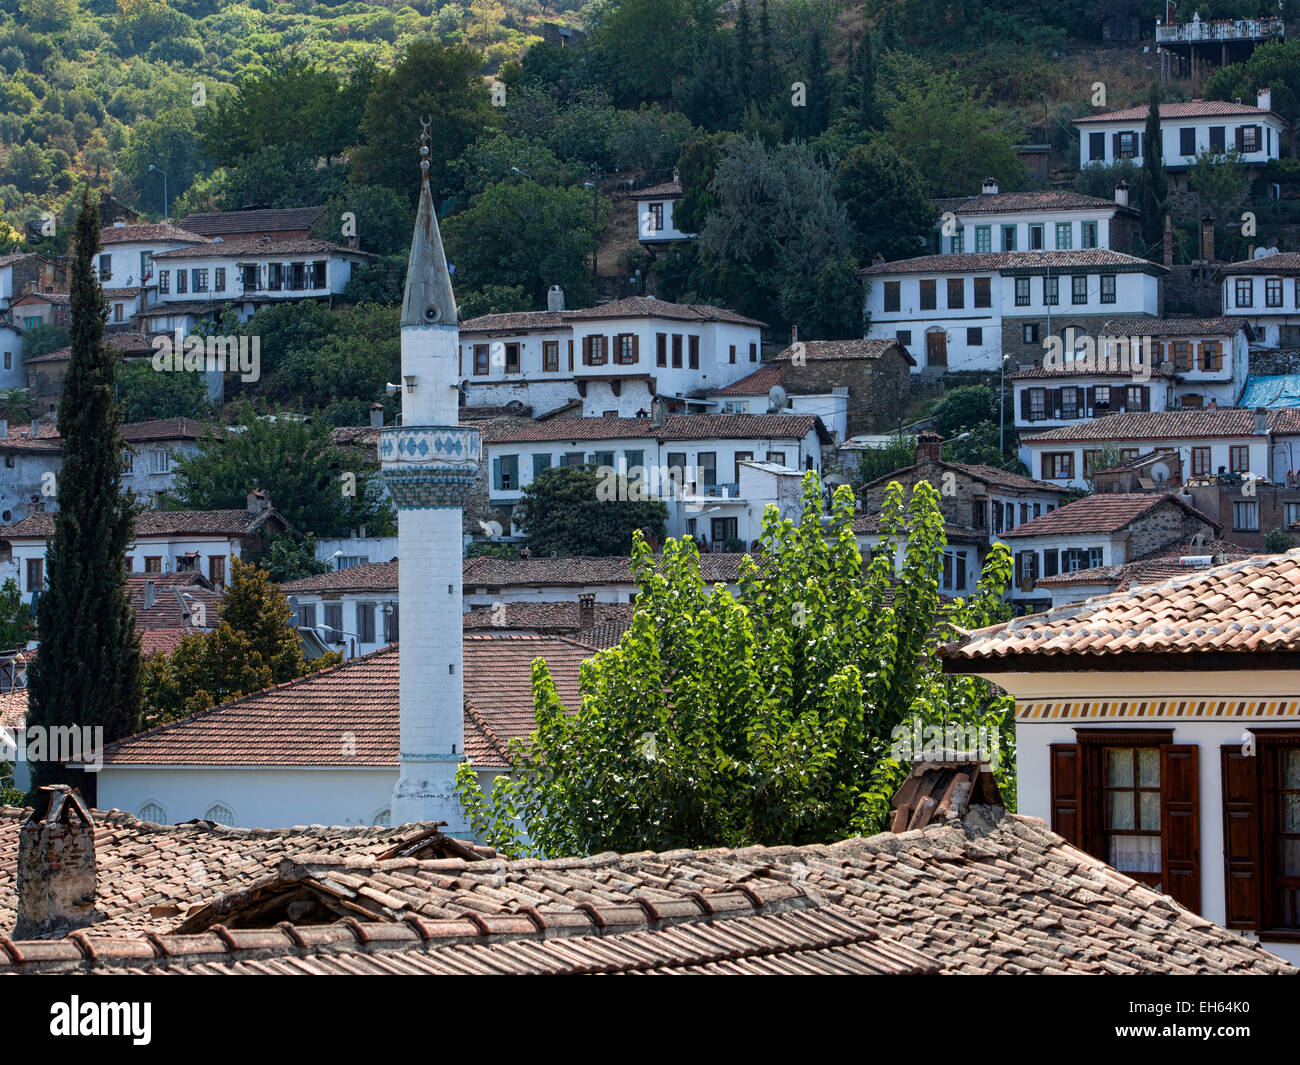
1251	29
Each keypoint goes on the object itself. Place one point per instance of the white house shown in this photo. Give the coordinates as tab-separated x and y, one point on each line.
1265	291
11	356
963	553
1186	129
655	208
617	357
1158	729
1228	440
965	311
127	252
354	610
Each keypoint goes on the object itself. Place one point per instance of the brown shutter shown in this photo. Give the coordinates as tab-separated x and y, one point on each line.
1025	409
570	355
1241	835
586	351
1180	824
1146	398
1115	137
636	348
1067	792
1240	132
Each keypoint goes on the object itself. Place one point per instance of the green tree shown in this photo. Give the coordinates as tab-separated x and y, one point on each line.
643	46
1274	66
168	141
1155	186
1278	541
1221	183
147	394
965	407
897	454
782	714
886	201
43	339
309	479
15	617
864	75
814	115
383	219
88	671
290	558
569	510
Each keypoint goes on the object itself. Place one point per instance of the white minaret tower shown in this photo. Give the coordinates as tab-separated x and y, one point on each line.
429	464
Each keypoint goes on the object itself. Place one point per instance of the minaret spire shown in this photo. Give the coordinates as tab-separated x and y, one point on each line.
429	299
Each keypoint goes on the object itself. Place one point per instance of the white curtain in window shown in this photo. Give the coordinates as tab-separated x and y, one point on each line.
1135	854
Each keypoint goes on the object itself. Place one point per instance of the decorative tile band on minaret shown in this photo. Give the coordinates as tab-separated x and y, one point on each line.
429	464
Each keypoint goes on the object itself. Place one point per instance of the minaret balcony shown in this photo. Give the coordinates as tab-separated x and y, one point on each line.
429	466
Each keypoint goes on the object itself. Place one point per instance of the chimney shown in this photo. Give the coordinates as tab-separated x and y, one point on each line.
929	446
555	298
376	416
258	502
1264	99
989	186
1261	421
658	411
586	611
677	176
794	334
119	223
1169	241
1207	239
1121	194
148	594
56	866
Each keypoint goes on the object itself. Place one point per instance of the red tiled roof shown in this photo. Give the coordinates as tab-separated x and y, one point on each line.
990	475
128	343
742	427
1084	367
13	709
1220	326
869	525
1241	608
157	231
488	572
1286	262
162	641
1006	202
574	429
564	616
1101	514
230	249
221	223
302	722
1172	425
155	523
1012	261
669	190
168	610
368	577
648	307
1152	568
514	322
830	350
1183	109
758	383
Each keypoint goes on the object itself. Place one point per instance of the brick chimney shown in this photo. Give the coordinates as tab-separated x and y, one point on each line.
586	611
1169	241
1207	238
929	446
258	502
56	866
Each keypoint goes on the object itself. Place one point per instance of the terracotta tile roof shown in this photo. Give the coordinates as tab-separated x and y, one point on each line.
1184	109
161	641
869	525
990	475
168	608
368	577
486	572
48	297
304	722
17	257
232	249
513	322
571	429
1153	568
991	893
742	427
1006	202
667	191
1172	425
1247	607
758	383
221	223
13	711
564	616
648	307
128	343
1286	262
1013	261
834	350
1102	514
155	523
162	231
352	435
150	874
165	310
1220	326
1082	368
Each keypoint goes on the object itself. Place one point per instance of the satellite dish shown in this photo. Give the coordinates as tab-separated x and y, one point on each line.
834	480
491	529
776	398
1160	473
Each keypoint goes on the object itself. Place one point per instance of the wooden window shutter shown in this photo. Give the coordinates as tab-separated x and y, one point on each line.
1180	824
496	474
586	351
636	347
1241	835
570	354
1067	792
1116	145
1090	399
1056	401
1025	408
1259	138
1241	137
1146	398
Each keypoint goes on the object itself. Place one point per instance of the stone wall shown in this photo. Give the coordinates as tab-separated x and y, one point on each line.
1167	524
1191	290
878	388
56	868
1027	354
1272	362
956	505
1216	501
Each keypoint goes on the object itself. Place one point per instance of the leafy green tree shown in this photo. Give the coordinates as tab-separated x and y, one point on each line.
383	219
147	394
43	339
290	558
492	299
1221	182
88	671
814	116
1277	541
569	510
170	142
354	360
980	445
695	167
1274	66
963	408
864	76
290	457
886	201
897	454
15	617
1155	186
782	714
643	46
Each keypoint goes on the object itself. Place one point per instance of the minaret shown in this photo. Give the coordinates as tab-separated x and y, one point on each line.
429	465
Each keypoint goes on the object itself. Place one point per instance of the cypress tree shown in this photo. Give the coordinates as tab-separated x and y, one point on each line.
744	57
864	63
768	77
88	670
816	113
1155	188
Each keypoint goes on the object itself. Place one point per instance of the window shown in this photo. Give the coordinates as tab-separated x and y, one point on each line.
625	349
959	240
1079	289
657	214
151	811
1096	147
741	456
1137	398
153	564
1273	292
979	517
1247	139
1064	236
677	351
708	463
199	275
1245	516
693	352
480	359
1029	331
1261	797
164	282
1239	458
1200	462
505	473
892	299
1126	145
983	239
1088	233
776	456
1008	238
182	282
1182	352
1291	512
512	358
1035	238
1101	399
1211	355
929	298
956	293
128	462
160	461
1187	141
661	349
1051	291
1131	805
573	458
365	622
1107	288
1026	567
219	279
541	462
1022	292
954	571
753	352
391	626
1245	292
220	813
1218	142
217	569
333	623
724	529
551	356
903	336
306	615
602	458
634	460
105	268
983	292
974	336
1058	465
594	351
35	574
731	354
1037	404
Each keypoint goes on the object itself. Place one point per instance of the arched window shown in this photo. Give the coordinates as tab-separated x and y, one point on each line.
384	817
152	811
220	813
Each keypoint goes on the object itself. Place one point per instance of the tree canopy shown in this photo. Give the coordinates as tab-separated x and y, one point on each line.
575	510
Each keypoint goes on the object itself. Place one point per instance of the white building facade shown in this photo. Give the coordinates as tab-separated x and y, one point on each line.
1265	292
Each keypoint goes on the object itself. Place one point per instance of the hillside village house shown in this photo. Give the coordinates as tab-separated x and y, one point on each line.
35	309
22	273
1233	440
616	357
752	394
1096	531
127	252
872	378
279	223
1164	564
11	355
655	209
967	311
1158	729
1046	220
1265	291
963	555
1186	128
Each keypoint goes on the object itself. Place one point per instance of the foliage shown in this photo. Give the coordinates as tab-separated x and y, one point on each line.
1221	183
1102	458
1154	193
87	673
290	558
779	715
15	617
567	510
886	201
1277	541
43	339
964	407
876	462
147	394
980	445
